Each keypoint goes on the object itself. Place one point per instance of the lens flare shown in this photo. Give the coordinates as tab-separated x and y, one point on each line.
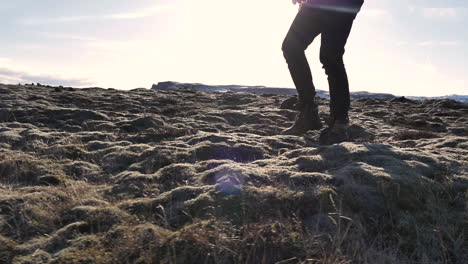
337	8
230	182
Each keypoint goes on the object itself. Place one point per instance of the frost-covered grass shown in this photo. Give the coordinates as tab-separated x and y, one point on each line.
107	176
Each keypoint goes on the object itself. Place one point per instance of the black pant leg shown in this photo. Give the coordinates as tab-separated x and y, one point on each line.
305	27
335	33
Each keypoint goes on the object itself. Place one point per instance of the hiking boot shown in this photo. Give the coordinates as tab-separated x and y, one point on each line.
336	133
307	119
339	132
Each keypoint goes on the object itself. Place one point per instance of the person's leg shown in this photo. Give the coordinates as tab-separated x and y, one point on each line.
336	30
305	27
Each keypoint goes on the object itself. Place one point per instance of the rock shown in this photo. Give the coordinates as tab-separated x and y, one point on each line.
289	103
401	100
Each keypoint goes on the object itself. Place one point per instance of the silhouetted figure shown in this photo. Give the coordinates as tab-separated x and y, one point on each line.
332	19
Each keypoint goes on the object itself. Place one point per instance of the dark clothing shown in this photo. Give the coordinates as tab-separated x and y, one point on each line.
335	26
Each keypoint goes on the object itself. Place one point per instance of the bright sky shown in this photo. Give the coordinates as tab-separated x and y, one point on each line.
404	47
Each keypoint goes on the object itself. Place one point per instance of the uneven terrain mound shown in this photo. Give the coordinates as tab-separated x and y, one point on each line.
142	176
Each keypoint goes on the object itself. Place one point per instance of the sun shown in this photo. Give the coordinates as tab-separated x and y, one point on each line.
241	36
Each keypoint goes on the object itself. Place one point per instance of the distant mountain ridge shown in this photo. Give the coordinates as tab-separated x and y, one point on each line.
169	85
455	97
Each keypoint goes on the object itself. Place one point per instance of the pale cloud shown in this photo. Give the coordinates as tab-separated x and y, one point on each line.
374	12
427	68
440	44
4	60
12	74
142	13
66	36
376	15
402	43
431	43
147	12
105	44
429	79
133	46
12	77
440	13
